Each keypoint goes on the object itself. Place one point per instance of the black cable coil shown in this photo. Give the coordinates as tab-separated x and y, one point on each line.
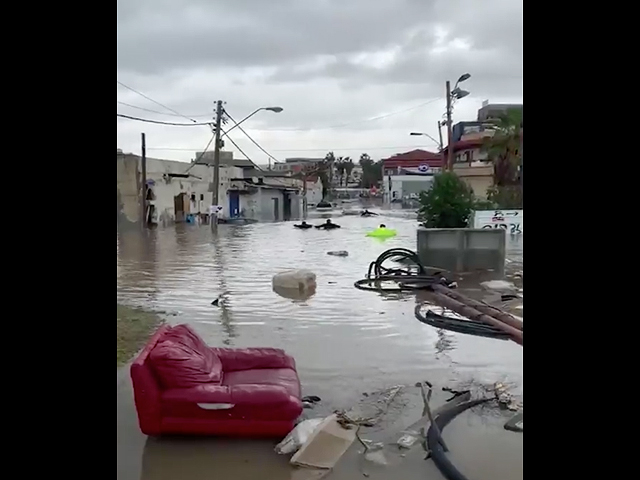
414	276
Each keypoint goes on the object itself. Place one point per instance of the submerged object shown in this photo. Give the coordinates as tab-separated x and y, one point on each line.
383	233
295	284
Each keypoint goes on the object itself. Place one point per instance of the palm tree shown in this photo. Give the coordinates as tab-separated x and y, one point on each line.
341	169
326	174
504	151
349	166
372	172
503	148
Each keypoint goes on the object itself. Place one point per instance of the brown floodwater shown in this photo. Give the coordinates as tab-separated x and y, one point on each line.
346	342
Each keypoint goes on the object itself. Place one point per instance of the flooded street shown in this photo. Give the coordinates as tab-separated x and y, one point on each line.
346	341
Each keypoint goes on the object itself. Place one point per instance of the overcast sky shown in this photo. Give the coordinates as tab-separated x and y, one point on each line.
353	76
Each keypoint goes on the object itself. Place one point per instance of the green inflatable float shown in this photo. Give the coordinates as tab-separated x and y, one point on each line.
383	232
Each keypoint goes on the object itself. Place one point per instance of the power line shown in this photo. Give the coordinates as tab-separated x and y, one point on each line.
154	101
148	110
157	122
239	127
344	125
202	154
256	166
311	129
325	149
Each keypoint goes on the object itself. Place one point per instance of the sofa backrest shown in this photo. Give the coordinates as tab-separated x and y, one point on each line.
146	387
181	359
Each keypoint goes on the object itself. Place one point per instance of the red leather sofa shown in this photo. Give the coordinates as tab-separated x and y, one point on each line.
184	387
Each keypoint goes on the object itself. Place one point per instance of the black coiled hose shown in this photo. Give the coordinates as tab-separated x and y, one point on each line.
434	440
414	276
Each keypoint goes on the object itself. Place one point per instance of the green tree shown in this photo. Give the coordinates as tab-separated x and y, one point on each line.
349	167
372	172
504	151
448	204
326	174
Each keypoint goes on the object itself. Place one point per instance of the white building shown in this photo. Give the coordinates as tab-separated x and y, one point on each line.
181	192
314	191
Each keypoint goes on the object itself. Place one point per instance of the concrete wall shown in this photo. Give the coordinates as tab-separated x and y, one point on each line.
198	189
314	192
260	205
165	188
128	181
407	185
479	177
463	250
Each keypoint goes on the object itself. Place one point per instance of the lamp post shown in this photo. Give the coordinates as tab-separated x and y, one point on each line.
440	142
455	93
218	149
263	109
421	134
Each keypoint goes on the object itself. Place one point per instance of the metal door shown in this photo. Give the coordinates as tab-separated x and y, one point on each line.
234	204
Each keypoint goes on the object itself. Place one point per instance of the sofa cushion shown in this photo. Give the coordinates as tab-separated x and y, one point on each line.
181	359
282	377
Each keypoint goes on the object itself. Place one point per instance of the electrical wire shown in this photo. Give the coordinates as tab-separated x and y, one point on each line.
325	149
154	101
310	129
241	151
239	127
202	154
358	122
157	122
148	110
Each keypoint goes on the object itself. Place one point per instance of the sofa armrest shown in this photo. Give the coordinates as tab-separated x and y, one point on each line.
254	359
246	395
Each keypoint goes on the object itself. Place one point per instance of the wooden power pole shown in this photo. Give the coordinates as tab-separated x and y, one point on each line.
216	163
143	181
450	157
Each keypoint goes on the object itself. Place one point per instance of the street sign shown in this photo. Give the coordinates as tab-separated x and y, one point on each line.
215	210
510	220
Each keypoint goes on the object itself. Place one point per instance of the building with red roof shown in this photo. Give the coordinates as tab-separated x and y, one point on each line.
408	174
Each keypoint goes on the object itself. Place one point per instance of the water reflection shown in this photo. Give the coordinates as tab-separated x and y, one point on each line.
374	340
137	261
298	295
225	299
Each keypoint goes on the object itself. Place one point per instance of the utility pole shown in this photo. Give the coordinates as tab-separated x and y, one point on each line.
305	191
143	189
216	164
522	158
450	162
442	150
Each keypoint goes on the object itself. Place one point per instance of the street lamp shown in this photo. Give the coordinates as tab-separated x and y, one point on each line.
455	93
219	135
420	134
265	109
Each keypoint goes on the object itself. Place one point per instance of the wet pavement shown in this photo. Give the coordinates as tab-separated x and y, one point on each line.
346	342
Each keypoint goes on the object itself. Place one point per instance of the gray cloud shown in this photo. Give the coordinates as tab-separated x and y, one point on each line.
154	37
328	62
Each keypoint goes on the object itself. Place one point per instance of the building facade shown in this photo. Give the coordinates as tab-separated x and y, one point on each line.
180	192
492	111
472	163
407	175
